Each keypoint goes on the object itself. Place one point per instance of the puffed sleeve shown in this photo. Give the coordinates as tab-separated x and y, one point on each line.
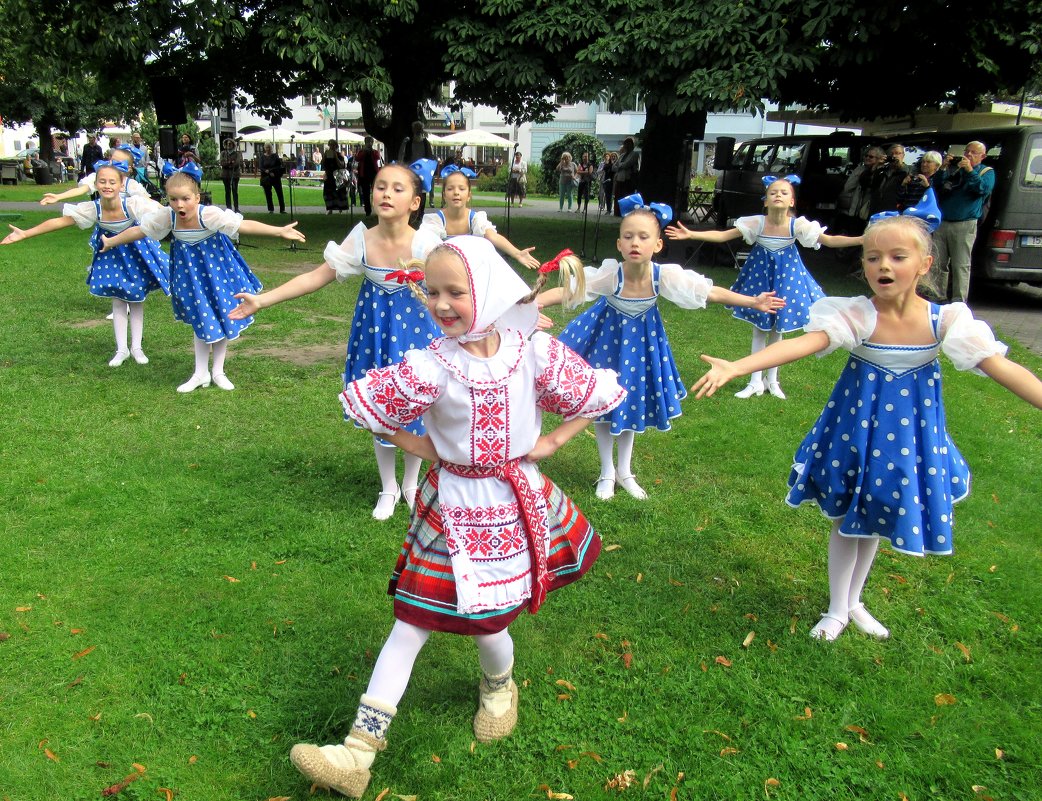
808	232
566	385
965	340
346	258
423	242
135	189
686	288
83	214
435	224
749	227
141	206
388	398
601	280
847	321
88	181
158	223
224	220
480	224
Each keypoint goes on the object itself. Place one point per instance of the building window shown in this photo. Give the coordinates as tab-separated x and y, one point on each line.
310	100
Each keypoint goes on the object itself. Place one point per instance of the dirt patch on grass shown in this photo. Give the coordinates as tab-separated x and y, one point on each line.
90	323
299	355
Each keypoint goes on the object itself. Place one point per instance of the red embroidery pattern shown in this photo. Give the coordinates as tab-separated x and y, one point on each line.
489	427
391	397
567	382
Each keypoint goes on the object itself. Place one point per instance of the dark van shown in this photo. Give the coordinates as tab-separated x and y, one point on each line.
1009	238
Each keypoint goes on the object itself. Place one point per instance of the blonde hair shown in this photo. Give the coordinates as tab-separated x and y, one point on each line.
179	178
572	282
913	228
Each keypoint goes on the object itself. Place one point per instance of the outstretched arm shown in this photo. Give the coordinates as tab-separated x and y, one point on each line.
132	234
54	224
679	231
837	241
50	198
263	229
548	444
504	245
411	443
782	352
303	284
1014	377
551	297
765	301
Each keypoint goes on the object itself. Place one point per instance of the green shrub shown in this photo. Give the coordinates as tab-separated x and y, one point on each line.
574	143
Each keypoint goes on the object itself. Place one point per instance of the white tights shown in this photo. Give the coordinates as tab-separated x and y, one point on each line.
606	444
122	312
202	356
394	665
850	559
761	339
386	465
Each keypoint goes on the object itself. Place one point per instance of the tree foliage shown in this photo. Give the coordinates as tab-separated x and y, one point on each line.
574	143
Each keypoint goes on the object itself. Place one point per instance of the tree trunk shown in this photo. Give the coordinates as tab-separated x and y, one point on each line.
665	157
44	126
404	107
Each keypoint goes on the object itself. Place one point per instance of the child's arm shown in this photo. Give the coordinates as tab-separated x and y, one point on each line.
782	352
679	231
54	224
288	231
837	241
1014	377
504	245
130	235
551	297
303	284
548	444
51	198
411	443
765	301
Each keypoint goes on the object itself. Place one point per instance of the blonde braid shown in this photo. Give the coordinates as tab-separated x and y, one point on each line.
415	288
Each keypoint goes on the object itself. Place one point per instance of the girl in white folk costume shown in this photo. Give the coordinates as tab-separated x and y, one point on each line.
490	535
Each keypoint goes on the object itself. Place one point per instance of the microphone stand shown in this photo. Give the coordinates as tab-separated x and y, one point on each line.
292	218
506	197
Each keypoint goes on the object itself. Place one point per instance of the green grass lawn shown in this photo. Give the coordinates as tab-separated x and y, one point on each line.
193	583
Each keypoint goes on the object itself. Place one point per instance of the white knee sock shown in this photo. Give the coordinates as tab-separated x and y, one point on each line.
119	325
393	667
495	652
220	351
772	337
137	324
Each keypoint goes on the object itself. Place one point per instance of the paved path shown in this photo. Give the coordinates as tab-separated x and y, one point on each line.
1016	312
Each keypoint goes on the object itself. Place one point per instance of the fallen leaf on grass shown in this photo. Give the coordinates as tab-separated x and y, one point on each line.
76	681
380	796
253	565
723	661
898	578
965	651
749	639
251	714
936	649
773	646
572	764
621	781
673	794
563	697
4	636
435	759
944	699
550	793
627	660
652	772
993	568
23	608
717	733
613	547
84	652
842	746
406	797
676	583
76	631
564	747
47	752
119	787
879	764
902	797
640	577
193	759
999	753
281	561
138	767
232	579
860	732
624	718
1001	617
101	764
601	636
792	625
96	717
167	792
566	684
729	751
771	782
594	756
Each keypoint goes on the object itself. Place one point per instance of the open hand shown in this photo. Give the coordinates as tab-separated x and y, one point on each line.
290	232
48	199
16	235
526	259
722	371
767	302
248	305
678	231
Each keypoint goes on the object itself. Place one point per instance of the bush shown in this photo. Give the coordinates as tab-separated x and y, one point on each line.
574	143
493	183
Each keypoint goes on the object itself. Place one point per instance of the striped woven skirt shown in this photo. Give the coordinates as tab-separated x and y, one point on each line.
423	585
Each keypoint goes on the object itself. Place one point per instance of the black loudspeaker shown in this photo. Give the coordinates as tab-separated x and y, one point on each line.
168	100
724	152
168	143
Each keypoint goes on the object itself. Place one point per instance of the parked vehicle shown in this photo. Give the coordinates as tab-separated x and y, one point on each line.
1009	238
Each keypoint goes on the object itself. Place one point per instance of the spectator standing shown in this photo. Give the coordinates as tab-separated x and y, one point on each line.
334	191
852	203
517	181
271	172
887	181
231	171
417	146
585	170
963	188
368	166
567	178
626	170
91	153
605	179
919	180
186	152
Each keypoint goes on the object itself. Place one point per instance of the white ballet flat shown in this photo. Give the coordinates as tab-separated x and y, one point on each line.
120	357
605	488
828	628
195	382
385	502
629	483
139	355
775	389
409	496
221	380
865	622
749	391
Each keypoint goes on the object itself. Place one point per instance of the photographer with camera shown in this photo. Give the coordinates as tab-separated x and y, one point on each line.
963	187
887	180
918	180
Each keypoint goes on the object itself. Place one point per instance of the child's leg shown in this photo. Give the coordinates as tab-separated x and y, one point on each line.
497	693
755	386
220	352
859	616
345	767
410	474
605	447
201	376
625	475
137	330
772	372
119	328
842	558
385	464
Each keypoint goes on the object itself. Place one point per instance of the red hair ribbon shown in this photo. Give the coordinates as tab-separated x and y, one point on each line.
401	276
555	262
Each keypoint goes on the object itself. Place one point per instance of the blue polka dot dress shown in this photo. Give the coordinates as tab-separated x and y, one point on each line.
627	335
879	458
206	271
128	272
388	319
774	265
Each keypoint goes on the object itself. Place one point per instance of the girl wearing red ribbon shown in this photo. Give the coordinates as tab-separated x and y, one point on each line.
490	535
388	320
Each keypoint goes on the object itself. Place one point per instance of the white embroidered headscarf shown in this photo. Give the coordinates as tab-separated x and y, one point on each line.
494	287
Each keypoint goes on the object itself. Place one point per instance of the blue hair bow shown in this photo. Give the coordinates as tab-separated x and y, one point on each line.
121	166
770	179
448	169
191	169
633	202
425	169
926	210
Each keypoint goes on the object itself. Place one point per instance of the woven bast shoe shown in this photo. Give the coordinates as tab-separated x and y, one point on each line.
497	711
344	768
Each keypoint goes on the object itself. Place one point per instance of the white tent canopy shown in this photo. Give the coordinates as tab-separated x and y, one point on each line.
340	134
476	137
271	135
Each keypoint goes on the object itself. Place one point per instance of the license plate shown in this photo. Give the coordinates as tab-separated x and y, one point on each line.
1031	241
